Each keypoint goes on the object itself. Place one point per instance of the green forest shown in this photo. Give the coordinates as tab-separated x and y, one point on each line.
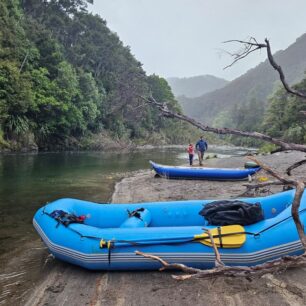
67	82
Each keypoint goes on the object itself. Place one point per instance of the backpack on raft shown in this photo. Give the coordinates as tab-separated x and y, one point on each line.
232	212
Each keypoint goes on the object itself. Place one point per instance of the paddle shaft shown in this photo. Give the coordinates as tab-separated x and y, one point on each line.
119	242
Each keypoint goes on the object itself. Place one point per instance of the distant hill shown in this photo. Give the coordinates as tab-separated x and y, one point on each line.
258	83
195	86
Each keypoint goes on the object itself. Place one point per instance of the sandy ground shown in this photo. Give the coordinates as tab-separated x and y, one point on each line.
64	284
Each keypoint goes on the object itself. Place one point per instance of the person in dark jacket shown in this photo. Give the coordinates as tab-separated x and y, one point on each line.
201	147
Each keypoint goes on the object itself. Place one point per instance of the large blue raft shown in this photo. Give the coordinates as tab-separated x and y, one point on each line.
202	173
111	233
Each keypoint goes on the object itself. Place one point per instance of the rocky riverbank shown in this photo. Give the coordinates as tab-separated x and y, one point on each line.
64	284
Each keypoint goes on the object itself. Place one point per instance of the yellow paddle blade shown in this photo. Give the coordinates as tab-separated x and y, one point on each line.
229	236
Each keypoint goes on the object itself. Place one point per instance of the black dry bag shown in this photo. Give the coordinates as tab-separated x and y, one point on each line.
232	212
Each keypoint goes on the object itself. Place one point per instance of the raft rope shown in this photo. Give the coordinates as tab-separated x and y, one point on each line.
275	224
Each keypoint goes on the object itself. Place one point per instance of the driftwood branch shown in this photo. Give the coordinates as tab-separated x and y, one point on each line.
165	111
273	173
296	165
218	262
166	266
300	186
252	45
277	265
262	185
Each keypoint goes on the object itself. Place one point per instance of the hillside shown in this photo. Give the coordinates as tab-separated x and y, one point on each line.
257	84
66	78
195	86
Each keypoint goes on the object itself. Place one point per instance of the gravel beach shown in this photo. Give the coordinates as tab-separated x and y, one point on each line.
64	284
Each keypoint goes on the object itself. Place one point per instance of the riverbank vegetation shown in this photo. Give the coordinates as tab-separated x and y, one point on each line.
67	81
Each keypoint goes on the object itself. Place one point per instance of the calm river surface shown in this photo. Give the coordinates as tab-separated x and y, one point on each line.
28	181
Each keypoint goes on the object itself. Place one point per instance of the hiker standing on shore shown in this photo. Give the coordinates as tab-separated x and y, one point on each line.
201	147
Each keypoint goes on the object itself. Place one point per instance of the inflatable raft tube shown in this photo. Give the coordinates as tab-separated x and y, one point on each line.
202	173
107	235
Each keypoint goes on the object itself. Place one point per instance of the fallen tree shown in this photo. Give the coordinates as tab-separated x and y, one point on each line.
273	266
165	111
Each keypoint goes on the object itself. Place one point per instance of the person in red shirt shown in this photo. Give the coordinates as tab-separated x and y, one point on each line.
190	151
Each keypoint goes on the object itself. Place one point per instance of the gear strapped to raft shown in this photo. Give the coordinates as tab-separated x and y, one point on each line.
135	213
232	212
65	218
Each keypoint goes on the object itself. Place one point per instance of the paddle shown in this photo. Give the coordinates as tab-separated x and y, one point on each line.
229	236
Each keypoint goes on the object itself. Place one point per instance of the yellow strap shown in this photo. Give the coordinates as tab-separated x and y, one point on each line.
102	243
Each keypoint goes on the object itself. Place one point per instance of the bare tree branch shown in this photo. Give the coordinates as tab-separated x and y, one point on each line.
272	172
277	265
166	266
221	131
300	186
260	188
252	45
281	73
297	164
218	262
248	47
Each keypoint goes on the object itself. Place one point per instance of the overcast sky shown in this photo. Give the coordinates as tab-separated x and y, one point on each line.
183	38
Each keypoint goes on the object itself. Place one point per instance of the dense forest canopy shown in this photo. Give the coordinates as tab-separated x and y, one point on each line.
64	77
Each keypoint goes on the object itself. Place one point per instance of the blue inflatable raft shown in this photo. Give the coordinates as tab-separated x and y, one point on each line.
201	173
109	234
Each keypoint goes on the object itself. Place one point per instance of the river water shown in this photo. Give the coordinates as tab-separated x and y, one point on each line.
28	181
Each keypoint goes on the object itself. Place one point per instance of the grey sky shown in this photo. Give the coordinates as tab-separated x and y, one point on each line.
183	37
